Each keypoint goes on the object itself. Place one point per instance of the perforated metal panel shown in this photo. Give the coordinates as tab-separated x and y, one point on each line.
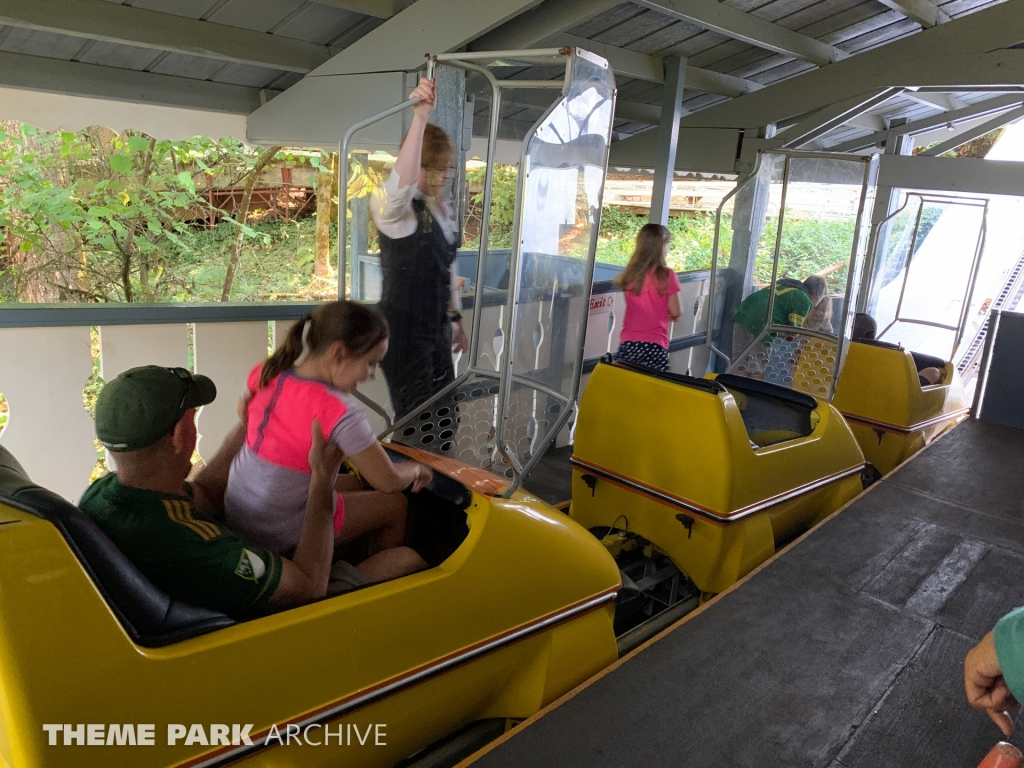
796	360
463	426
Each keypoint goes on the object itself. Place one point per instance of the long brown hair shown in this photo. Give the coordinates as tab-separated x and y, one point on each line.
359	328
648	255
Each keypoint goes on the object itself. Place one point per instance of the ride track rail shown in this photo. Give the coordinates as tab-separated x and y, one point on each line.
1014	285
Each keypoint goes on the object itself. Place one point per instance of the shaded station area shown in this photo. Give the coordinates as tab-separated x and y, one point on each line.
844	651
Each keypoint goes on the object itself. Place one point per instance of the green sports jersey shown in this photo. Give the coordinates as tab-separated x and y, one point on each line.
791	307
185	553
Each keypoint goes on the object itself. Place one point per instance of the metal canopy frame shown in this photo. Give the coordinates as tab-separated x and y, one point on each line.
469	61
979	248
857	262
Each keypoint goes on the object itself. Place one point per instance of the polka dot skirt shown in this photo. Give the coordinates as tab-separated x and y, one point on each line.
643	353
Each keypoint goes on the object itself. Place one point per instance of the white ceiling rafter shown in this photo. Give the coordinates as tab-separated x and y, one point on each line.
635	112
18	70
851	111
991	106
652	68
969	51
924	12
947	102
113	23
734	23
978	131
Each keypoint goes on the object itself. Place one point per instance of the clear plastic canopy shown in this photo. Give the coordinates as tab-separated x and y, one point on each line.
559	206
790	326
925	271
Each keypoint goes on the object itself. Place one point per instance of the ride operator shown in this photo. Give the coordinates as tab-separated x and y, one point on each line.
419	236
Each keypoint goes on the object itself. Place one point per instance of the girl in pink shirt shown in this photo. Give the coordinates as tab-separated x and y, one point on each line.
652	300
312	375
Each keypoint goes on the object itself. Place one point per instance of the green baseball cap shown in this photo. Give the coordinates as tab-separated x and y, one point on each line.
142	405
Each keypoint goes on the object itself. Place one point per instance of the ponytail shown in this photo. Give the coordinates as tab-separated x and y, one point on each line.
357	327
284	357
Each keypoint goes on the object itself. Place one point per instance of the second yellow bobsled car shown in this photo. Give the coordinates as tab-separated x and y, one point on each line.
714	472
892	413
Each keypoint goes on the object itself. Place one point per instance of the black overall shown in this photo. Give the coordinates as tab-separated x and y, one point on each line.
414	299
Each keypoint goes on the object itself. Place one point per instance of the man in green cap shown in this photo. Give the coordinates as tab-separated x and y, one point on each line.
146	418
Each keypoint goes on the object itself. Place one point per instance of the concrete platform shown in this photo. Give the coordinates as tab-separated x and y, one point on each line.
845	651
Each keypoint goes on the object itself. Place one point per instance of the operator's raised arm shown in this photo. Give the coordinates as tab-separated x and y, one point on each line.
419	237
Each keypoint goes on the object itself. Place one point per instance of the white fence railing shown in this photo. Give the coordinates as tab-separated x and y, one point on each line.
47	358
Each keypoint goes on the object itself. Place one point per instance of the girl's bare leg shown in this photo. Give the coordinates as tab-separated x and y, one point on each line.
391	564
377	517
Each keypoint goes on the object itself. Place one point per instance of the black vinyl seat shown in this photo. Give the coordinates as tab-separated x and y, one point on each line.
922	361
149	616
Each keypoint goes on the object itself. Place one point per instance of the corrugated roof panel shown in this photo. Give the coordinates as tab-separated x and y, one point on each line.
120	56
631	128
260	15
782	71
772	10
901	27
847	24
319	24
722	54
194	9
362	27
694	46
246	74
702	101
181	65
815	13
961	7
636	28
605	21
664	39
641	91
47	44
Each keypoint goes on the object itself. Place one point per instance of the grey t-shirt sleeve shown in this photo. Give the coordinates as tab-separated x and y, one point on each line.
353	433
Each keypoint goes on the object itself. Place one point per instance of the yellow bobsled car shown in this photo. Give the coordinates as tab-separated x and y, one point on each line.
741	466
923	280
718	472
892	413
498	629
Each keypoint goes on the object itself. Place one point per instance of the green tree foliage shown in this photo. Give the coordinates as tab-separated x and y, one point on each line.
503	204
96	216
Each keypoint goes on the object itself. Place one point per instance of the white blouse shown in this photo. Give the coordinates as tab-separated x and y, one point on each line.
394	216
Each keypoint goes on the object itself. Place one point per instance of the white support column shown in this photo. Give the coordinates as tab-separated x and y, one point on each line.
749	211
668	133
225	352
48	429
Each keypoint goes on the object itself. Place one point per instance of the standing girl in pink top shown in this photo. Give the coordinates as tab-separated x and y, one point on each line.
652	300
312	376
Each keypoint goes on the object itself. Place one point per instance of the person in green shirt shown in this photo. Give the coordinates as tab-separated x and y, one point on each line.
994	670
146	418
793	302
